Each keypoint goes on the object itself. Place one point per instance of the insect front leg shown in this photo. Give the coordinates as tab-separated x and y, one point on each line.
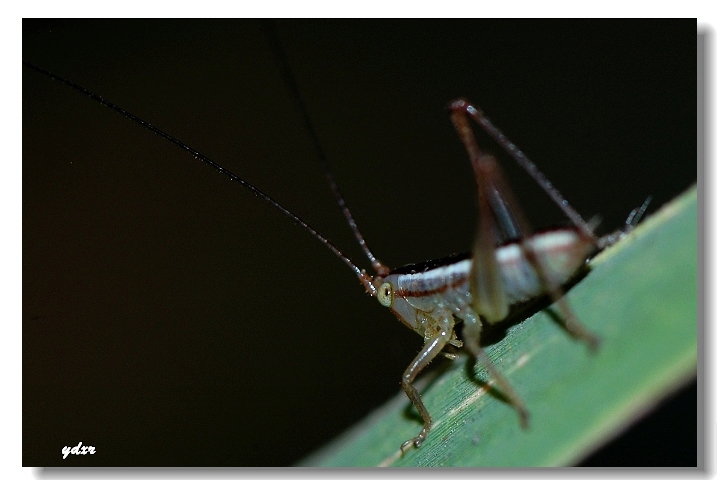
431	348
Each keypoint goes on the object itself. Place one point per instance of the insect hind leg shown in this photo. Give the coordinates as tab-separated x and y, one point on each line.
488	293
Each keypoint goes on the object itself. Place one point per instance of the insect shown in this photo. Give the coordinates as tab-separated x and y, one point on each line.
274	343
268	329
431	297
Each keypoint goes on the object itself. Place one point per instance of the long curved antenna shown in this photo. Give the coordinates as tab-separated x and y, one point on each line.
292	85
364	278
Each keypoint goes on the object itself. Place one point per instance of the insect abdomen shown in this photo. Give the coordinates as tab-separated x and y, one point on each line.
560	254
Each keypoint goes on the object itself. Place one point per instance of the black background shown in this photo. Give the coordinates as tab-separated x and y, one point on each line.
169	318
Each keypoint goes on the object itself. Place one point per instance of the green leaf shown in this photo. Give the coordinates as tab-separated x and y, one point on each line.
640	298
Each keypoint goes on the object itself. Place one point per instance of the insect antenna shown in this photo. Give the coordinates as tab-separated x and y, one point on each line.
292	85
364	278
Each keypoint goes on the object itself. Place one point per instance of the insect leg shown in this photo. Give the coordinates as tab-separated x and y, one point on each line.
460	108
492	179
471	336
489	299
505	219
488	295
489	180
430	350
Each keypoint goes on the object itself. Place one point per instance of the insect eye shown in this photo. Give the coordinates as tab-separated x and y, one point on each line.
385	294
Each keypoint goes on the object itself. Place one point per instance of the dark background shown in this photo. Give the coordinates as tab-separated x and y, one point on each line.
169	318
